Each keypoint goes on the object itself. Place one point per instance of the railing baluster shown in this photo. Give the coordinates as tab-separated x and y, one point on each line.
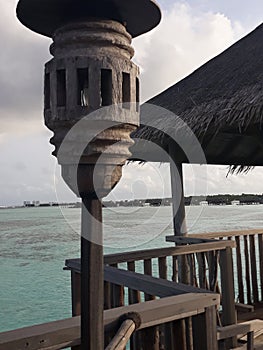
239	271
212	261
150	337
260	249
192	268
147	264
162	267
179	335
188	321
253	268
107	296
134	297
195	270
175	269
164	330
114	291
201	270
249	301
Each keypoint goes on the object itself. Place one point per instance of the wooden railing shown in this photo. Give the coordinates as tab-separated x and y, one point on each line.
166	313
207	261
248	262
184	317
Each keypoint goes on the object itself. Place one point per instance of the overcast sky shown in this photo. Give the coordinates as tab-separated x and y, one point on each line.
191	33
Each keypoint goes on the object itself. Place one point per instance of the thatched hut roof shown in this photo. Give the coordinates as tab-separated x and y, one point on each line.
221	102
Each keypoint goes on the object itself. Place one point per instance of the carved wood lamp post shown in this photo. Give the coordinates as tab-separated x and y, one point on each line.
91	69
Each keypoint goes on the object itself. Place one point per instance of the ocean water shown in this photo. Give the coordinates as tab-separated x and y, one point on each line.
34	243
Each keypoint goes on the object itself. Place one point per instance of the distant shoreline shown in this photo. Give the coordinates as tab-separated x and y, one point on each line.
210	200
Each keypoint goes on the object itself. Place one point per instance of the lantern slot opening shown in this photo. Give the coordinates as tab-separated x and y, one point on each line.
137	94
126	90
47	91
83	87
106	87
61	88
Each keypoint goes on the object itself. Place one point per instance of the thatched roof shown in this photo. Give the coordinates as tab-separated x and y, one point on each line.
221	102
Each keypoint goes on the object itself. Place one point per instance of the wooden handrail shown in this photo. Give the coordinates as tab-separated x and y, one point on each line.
208	235
158	253
163	252
65	333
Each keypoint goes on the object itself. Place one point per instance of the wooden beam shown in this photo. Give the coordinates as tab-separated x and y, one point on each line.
154	286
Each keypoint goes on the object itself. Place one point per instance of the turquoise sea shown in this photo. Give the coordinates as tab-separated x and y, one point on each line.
34	243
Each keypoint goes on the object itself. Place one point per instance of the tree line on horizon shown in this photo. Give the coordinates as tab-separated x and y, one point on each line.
219	199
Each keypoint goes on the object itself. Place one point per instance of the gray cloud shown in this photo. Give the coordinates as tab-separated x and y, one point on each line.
20	166
23	55
184	40
247	12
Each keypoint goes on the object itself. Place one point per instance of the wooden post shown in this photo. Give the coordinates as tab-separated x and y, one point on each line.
204	330
260	251
75	293
75	297
228	293
179	216
92	278
177	196
180	229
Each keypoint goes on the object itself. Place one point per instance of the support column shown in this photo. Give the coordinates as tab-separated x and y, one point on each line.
92	277
179	215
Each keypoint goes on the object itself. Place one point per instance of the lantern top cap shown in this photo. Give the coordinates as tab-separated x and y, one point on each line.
46	16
